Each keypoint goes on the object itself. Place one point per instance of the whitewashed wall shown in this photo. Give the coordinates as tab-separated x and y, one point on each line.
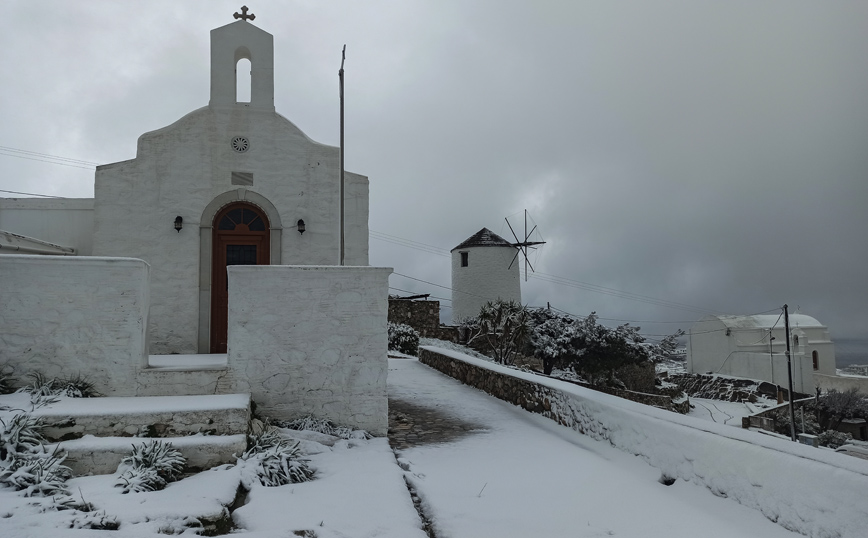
745	353
185	169
65	222
311	340
179	170
65	316
487	277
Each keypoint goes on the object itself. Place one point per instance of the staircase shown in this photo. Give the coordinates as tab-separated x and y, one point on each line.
97	433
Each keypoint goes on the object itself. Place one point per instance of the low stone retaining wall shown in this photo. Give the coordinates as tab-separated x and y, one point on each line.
812	491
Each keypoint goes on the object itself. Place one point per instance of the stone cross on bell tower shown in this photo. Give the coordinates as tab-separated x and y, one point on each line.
231	43
243	15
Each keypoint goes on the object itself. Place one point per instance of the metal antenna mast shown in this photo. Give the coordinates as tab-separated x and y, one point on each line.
341	79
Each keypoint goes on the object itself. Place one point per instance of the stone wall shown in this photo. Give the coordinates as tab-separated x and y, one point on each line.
311	340
799	487
424	316
64	316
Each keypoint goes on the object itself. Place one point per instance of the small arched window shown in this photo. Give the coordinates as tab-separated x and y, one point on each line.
242	80
816	358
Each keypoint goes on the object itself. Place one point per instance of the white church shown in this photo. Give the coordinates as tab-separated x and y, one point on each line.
210	263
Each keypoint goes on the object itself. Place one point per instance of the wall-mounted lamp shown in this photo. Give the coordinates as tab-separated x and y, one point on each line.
300	226
179	223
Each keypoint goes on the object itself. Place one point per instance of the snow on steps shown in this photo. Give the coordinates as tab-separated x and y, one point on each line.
98	432
151	416
101	455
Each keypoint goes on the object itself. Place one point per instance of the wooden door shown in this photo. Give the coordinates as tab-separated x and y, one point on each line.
241	237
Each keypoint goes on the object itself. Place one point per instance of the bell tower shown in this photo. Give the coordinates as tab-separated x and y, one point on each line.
231	43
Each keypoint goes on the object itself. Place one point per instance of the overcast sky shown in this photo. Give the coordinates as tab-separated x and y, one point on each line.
711	154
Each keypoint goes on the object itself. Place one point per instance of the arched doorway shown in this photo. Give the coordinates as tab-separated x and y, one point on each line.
240	237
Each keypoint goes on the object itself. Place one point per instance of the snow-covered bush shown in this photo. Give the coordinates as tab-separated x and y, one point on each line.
594	351
76	386
403	338
321	425
503	326
273	461
6	384
833	439
150	467
36	474
20	437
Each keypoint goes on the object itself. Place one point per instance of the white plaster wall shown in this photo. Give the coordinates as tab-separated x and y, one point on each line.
75	315
180	169
745	353
65	222
487	277
311	340
841	383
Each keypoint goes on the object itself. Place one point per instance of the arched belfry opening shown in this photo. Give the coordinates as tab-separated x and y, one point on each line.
243	70
242	66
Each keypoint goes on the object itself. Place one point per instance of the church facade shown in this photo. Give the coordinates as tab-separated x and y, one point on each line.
245	185
211	263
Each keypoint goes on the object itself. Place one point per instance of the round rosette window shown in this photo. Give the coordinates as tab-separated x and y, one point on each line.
240	144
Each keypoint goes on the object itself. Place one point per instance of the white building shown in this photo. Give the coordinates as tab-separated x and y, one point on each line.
754	347
484	268
232	183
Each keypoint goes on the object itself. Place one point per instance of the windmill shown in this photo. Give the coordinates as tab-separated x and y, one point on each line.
528	243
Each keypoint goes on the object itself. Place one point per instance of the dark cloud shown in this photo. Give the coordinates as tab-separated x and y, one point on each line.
709	154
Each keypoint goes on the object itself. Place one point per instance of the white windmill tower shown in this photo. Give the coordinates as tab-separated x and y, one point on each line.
484	269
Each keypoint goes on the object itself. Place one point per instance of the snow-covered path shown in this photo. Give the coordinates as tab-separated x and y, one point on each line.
526	476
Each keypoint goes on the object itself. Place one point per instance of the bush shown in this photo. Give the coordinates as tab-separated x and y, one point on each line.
273	461
403	338
320	425
6	384
36	474
833	439
150	467
504	326
76	386
20	437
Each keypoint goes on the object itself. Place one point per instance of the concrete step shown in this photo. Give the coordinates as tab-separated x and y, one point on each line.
102	455
97	433
145	416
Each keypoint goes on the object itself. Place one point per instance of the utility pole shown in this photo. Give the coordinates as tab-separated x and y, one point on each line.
771	356
790	374
341	79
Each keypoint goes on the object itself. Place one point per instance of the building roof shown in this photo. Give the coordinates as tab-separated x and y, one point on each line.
767	321
484	238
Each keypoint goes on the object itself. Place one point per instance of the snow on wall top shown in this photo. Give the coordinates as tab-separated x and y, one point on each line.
767	321
484	238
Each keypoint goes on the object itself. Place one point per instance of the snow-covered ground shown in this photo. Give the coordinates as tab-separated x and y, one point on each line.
527	476
521	475
729	413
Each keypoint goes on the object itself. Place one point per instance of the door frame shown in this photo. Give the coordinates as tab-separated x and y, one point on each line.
206	224
219	279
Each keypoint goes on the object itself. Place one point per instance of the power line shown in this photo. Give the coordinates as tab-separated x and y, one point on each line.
46	158
32	194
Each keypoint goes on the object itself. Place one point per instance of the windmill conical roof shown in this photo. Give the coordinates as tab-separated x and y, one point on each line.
484	238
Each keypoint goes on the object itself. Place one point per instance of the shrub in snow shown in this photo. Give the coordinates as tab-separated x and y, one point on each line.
273	461
403	338
503	326
320	425
21	436
36	474
833	439
76	386
150	467
6	384
97	520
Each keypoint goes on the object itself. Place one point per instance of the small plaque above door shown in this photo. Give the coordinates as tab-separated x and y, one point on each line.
242	178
